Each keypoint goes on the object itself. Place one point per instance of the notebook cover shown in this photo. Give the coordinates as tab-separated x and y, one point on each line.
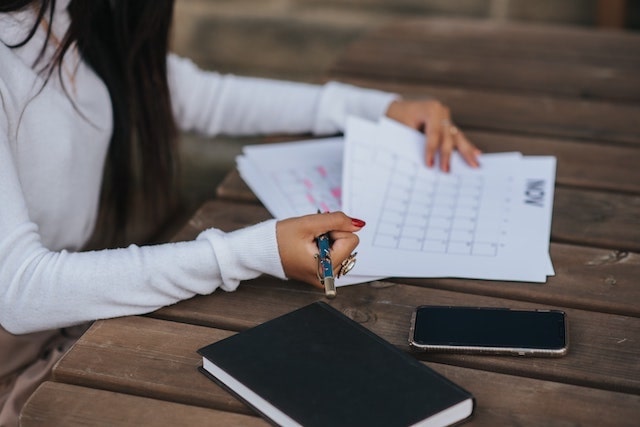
321	368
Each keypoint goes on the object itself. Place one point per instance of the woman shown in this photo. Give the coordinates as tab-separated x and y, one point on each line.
92	104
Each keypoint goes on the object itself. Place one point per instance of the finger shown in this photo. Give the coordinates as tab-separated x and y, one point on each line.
446	150
468	151
435	119
334	221
434	140
343	245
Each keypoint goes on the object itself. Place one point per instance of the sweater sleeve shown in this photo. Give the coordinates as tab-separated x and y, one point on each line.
44	289
212	103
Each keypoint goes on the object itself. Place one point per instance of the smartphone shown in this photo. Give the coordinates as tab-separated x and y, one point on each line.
489	330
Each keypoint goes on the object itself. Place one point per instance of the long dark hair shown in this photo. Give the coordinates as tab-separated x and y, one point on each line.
126	43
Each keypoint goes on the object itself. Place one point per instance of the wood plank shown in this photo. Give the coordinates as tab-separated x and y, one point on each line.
586	278
235	189
485	55
598	219
379	60
546	41
579	164
58	404
611	13
499	401
603	352
135	354
104	358
531	114
504	400
588	166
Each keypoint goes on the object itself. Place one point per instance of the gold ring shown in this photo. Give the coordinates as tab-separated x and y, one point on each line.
347	265
450	127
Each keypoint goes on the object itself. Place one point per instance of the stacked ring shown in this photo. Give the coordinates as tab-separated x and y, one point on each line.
347	265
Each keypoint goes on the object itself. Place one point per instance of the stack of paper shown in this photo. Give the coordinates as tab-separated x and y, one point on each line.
492	222
298	178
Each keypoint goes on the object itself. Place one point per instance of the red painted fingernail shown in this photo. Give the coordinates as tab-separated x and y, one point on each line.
357	222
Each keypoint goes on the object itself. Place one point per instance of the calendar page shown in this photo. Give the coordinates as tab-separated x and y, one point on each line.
295	178
422	222
298	178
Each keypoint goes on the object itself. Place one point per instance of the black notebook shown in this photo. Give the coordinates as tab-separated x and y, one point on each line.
316	367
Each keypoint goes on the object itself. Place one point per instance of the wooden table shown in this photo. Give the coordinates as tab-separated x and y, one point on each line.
572	93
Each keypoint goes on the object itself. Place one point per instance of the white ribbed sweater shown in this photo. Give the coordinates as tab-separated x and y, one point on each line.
51	163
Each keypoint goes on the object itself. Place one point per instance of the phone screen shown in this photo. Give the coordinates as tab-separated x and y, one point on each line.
489	327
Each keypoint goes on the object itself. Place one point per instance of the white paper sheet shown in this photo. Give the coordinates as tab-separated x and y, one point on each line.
488	223
295	178
298	178
421	222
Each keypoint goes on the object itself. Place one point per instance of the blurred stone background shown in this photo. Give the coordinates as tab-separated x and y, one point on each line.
299	39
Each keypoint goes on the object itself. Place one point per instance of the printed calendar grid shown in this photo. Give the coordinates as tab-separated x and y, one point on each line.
319	187
438	213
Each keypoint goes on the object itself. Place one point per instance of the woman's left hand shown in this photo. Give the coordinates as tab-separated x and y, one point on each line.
434	119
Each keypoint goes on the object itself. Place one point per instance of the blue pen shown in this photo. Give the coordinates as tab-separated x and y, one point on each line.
325	268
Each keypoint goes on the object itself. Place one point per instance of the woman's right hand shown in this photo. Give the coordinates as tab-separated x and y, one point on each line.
297	243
